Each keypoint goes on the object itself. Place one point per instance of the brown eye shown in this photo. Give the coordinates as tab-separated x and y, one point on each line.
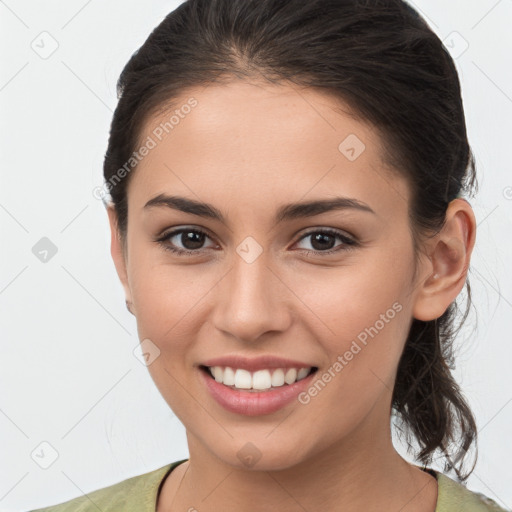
192	241
323	241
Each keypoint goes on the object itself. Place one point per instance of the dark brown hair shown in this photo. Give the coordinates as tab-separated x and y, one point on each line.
380	58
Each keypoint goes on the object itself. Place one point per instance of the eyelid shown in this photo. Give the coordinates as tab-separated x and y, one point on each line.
330	231
166	233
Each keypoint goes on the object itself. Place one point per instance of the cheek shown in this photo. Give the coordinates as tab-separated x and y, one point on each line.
170	300
363	355
345	300
361	313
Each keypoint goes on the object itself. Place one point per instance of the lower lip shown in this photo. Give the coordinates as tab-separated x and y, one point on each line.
257	403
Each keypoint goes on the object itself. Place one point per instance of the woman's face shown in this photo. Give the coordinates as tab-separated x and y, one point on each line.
319	286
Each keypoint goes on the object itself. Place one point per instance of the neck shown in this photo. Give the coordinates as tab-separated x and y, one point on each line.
357	474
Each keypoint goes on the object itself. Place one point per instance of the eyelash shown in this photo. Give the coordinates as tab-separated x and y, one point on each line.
348	243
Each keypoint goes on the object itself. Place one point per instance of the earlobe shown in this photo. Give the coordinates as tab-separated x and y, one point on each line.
448	263
118	254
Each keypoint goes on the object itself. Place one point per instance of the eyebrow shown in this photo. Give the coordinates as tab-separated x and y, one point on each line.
285	213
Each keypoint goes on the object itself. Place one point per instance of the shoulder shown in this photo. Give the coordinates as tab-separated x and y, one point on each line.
455	497
137	493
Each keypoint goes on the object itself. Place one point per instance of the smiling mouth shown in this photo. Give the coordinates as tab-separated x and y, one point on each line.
257	381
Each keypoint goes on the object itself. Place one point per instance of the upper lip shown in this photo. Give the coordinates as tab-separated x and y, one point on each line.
253	364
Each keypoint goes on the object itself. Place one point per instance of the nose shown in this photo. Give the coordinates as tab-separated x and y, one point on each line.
252	301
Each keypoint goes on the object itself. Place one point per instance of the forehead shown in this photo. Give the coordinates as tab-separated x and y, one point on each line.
248	116
258	143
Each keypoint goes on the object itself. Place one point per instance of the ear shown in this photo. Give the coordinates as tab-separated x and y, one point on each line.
118	252
449	254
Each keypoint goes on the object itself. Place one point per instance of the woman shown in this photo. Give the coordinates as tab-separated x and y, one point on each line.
288	224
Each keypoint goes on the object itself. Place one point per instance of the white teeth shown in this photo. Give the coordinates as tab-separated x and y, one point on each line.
258	380
217	373
303	372
243	379
278	378
261	380
229	376
290	376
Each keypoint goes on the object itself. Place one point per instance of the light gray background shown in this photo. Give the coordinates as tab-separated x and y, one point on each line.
69	376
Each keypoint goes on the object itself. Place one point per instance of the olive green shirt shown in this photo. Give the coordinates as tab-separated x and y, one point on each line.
139	494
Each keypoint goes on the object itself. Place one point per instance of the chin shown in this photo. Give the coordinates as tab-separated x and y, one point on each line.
254	453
